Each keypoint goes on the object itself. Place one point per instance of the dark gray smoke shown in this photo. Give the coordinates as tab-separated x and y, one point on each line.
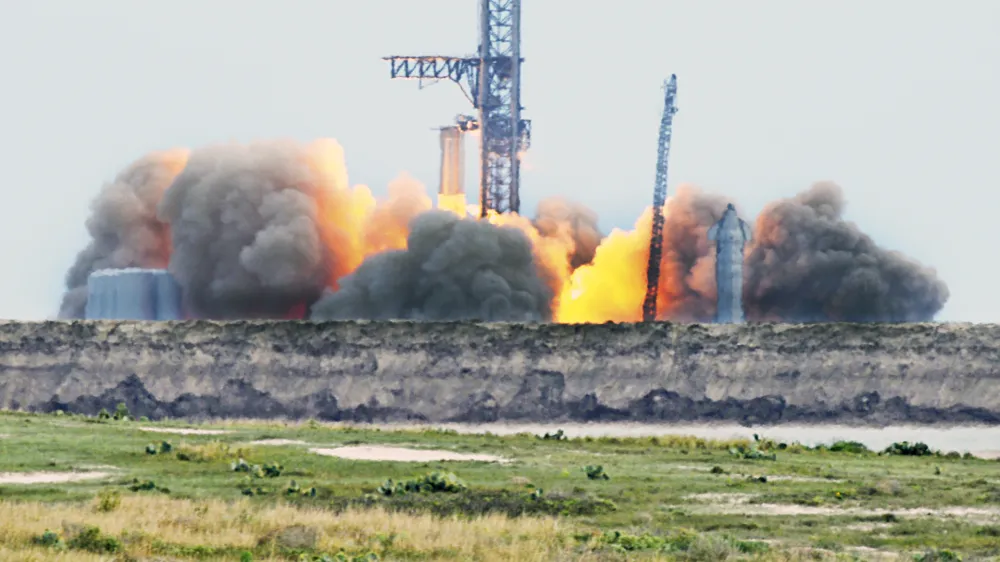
808	264
247	239
452	269
123	226
573	223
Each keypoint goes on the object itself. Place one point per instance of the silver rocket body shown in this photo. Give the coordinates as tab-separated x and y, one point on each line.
730	235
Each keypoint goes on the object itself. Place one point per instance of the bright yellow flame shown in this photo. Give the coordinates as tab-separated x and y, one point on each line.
454	202
612	287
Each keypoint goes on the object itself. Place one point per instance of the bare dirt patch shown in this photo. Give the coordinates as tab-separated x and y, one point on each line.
401	454
49	477
723	499
184	431
770	477
278	442
789	478
731	504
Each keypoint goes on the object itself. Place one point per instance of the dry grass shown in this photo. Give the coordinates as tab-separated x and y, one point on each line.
241	525
33	554
212	451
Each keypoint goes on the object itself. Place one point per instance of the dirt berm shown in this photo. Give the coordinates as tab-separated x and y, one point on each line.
394	371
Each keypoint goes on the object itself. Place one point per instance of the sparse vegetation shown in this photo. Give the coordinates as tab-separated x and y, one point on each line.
596	472
557	436
108	500
429	483
849	447
671	497
909	450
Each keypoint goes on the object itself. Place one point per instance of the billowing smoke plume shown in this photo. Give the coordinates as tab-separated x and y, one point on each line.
687	272
451	269
256	230
808	264
274	229
574	224
247	239
123	226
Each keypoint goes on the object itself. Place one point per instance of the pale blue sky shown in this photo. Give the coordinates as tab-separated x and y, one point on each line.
895	100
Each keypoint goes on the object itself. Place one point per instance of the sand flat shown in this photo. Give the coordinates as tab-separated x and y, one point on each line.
401	454
277	442
41	477
184	431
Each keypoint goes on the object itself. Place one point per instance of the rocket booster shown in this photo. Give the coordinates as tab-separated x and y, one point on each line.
730	235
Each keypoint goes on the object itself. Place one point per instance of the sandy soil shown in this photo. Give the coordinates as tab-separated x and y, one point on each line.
184	431
277	442
401	454
770	477
49	477
979	440
740	504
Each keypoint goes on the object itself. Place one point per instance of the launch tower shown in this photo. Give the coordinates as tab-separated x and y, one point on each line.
493	78
659	199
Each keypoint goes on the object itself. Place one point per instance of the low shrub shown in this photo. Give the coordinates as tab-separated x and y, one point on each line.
162	448
906	449
121	413
596	472
431	482
853	447
752	453
559	435
108	500
684	544
49	539
91	539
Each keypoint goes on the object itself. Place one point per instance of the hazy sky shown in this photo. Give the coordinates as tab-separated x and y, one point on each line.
895	100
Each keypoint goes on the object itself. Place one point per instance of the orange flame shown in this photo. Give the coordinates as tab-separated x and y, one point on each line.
353	223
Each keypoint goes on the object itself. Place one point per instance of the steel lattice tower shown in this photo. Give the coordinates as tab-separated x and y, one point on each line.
494	88
659	199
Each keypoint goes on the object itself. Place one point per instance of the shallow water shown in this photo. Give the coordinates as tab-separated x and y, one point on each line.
978	440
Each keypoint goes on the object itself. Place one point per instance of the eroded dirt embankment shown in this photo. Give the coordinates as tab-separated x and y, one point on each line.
440	372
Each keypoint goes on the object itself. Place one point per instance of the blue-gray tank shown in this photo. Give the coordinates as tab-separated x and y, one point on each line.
730	235
133	294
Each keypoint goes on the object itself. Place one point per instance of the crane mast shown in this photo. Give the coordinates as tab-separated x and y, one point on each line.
493	79
659	199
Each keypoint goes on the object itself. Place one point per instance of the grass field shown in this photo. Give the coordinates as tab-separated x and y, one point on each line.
163	496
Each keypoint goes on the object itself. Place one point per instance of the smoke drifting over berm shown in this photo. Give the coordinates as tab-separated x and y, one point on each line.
274	229
451	269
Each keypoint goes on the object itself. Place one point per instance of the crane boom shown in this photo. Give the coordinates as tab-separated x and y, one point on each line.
659	199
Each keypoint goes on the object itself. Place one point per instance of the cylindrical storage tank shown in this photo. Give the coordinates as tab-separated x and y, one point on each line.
96	296
168	296
133	294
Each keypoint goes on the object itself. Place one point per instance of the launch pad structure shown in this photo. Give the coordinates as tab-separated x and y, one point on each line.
493	78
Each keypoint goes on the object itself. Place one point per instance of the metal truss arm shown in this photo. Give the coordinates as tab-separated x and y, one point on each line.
461	70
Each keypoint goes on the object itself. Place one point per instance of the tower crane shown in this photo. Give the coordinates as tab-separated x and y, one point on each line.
659	199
